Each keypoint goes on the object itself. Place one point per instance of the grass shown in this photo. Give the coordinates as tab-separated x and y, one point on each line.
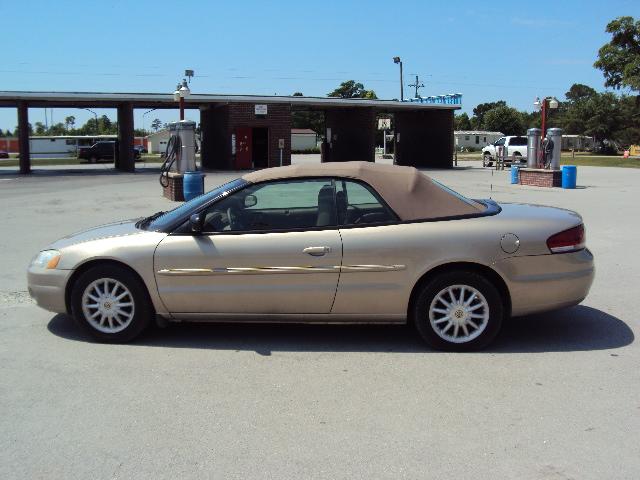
13	161
580	159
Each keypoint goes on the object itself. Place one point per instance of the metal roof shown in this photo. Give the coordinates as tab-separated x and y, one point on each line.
165	100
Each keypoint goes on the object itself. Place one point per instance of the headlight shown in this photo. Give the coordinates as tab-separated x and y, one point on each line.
47	259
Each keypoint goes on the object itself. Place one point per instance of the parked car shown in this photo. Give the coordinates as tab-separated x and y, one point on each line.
515	149
337	242
103	150
140	149
4	154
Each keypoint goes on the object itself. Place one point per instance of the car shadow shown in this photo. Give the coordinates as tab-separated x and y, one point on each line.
579	328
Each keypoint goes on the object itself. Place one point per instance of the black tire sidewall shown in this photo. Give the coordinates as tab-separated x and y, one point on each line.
143	308
420	313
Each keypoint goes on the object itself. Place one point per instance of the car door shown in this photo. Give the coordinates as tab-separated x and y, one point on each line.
271	248
375	266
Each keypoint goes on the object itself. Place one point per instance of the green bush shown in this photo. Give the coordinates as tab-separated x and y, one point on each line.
307	151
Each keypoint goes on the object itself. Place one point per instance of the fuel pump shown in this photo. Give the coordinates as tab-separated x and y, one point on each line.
180	155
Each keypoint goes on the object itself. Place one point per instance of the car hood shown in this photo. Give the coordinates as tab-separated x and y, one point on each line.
122	228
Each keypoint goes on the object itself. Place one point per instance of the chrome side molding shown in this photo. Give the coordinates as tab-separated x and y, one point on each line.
280	270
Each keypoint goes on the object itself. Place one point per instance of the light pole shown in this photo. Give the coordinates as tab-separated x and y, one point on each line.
143	115
397	60
543	105
182	91
96	115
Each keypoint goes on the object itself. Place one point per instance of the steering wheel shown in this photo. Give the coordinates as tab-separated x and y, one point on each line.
231	217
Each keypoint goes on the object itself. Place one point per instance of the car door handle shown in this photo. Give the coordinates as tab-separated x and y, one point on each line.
316	251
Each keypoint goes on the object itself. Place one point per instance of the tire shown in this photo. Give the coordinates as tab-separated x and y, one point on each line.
517	158
111	324
93	160
429	313
486	160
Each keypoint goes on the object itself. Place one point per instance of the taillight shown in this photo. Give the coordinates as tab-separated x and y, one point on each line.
568	240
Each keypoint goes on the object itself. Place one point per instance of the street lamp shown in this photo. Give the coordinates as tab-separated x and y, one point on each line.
542	105
397	60
96	115
182	91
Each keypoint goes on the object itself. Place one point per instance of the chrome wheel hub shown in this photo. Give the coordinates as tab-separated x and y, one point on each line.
108	305
459	313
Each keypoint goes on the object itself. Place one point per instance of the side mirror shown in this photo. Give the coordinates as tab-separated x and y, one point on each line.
195	221
250	201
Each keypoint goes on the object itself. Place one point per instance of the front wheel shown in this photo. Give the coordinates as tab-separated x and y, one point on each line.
486	160
458	311
111	304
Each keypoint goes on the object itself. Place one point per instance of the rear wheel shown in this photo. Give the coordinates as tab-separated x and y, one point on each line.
111	304
458	311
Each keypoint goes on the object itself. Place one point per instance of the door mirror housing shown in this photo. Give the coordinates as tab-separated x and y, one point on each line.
195	222
250	201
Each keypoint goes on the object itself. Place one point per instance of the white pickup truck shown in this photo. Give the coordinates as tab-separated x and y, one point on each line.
515	149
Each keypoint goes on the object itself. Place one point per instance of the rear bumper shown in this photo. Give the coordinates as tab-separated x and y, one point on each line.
47	288
547	282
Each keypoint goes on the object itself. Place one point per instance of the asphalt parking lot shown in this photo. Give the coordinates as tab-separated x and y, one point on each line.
556	397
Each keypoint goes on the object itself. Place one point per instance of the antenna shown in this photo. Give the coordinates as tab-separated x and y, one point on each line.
189	74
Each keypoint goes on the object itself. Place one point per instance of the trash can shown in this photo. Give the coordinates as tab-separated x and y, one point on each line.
569	176
514	173
193	185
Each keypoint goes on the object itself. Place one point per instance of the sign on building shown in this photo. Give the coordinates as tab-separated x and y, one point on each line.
260	109
384	123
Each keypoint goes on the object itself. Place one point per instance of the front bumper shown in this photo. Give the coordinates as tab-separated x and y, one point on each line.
547	282
47	288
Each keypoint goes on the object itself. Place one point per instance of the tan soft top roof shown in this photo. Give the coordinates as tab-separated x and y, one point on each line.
410	193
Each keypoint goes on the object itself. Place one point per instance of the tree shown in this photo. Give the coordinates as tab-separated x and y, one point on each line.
311	119
462	122
504	119
40	128
352	89
69	122
480	111
602	116
619	59
578	92
156	124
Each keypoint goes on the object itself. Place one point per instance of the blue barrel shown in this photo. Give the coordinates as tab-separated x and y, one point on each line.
193	185
514	173
569	176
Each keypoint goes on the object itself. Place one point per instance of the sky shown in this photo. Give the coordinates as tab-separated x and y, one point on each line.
488	51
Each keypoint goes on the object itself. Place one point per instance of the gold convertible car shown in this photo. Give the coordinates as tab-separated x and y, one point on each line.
351	242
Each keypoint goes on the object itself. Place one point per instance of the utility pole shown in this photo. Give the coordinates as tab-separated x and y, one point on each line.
417	85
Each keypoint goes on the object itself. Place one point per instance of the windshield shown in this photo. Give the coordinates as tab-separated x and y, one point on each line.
167	219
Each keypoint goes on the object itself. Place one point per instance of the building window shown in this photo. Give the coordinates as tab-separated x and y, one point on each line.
477	139
484	139
466	137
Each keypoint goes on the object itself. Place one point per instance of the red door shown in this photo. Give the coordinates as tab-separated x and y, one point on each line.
244	155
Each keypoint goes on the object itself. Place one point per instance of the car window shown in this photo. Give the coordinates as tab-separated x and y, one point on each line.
358	204
169	219
271	206
500	141
518	141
